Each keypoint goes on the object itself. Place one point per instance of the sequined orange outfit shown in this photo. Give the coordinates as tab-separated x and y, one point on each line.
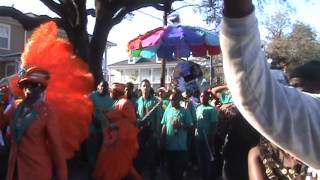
115	160
39	151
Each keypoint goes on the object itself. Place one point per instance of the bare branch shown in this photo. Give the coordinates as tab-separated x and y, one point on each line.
53	6
28	21
120	15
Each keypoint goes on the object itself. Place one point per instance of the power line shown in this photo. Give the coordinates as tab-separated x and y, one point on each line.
152	16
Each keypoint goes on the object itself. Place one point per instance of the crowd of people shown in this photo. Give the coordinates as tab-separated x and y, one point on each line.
254	127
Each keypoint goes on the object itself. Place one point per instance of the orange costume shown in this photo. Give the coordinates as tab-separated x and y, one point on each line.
39	150
60	120
115	160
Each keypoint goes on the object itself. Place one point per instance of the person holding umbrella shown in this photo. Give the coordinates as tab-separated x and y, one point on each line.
175	124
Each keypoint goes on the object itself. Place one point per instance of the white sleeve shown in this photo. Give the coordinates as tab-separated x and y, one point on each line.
285	116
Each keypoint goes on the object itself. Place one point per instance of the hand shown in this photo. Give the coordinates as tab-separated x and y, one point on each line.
237	8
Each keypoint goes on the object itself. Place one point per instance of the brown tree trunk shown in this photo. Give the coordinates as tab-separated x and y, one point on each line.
97	47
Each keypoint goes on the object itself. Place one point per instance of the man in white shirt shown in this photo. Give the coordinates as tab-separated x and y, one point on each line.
286	116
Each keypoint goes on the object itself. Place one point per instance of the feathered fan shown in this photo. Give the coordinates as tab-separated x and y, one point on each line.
69	85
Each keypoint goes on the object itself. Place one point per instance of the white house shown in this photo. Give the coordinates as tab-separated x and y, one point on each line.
135	70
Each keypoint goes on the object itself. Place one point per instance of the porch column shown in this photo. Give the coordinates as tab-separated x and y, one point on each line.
151	77
139	75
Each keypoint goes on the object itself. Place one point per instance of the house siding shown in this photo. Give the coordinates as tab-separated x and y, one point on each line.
16	36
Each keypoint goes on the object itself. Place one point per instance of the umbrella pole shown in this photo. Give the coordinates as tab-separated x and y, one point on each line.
163	62
163	72
211	71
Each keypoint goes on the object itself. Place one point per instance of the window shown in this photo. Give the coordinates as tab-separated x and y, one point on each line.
10	68
4	36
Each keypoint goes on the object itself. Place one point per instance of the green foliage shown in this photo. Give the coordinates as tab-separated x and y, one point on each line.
295	47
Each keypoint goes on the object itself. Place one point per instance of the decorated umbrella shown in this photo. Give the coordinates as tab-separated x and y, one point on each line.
175	41
187	76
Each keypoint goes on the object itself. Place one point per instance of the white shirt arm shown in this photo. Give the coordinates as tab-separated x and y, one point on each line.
285	116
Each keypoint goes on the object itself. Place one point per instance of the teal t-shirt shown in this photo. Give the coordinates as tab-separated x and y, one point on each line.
144	105
134	100
225	97
176	139
190	107
165	104
206	115
101	104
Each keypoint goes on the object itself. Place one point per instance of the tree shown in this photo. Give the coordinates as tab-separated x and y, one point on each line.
277	24
73	19
296	47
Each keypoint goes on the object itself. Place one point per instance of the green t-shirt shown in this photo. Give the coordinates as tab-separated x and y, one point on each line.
206	116
190	107
143	106
134	100
176	139
101	104
165	103
225	97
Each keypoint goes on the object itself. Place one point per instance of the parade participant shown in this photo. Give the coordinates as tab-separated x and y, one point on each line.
163	96
150	129
34	128
102	103
71	107
130	94
222	93
189	105
115	160
207	117
175	124
285	116
267	161
236	137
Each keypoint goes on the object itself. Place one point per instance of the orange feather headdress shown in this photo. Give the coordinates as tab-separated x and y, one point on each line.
70	83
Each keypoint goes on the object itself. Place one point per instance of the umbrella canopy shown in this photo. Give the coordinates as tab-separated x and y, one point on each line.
175	41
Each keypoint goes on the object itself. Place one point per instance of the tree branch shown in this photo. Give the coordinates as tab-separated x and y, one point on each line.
91	12
131	6
29	21
53	6
157	6
120	15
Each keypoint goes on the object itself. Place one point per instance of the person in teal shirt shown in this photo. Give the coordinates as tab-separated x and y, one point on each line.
207	117
102	103
147	158
175	124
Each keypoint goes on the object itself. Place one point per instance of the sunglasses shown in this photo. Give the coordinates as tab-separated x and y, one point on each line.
33	85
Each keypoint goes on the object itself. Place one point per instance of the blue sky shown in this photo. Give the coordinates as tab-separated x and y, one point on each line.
306	11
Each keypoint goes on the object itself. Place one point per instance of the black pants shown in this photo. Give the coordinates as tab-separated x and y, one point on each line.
147	159
4	156
93	146
205	163
176	164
